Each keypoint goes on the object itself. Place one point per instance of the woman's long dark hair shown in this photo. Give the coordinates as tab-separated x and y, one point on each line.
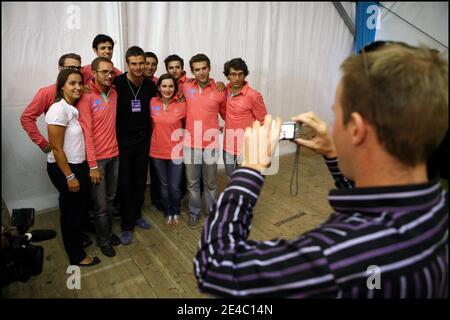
61	80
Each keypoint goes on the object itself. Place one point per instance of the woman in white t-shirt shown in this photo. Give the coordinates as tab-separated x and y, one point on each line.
66	164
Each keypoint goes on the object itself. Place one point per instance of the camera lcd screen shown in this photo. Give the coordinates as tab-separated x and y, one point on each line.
287	131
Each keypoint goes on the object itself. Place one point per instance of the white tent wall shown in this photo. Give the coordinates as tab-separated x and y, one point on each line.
430	17
293	51
34	36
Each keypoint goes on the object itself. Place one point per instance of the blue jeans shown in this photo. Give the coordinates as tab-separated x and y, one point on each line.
170	176
103	195
200	163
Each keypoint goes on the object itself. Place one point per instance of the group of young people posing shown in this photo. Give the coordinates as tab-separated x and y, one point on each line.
106	127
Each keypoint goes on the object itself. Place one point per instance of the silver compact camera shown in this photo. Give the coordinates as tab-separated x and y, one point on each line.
294	130
290	130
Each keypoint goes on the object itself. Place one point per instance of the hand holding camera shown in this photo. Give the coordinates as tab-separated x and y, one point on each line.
318	139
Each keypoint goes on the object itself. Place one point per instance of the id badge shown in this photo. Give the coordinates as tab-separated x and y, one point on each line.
136	105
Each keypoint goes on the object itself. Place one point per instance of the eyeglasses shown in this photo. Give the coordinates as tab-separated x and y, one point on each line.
237	74
106	73
72	67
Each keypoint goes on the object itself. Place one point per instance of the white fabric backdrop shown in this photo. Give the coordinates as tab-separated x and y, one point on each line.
34	36
293	51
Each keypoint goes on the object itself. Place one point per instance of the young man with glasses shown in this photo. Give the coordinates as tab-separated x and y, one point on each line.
98	120
244	105
133	125
388	234
103	46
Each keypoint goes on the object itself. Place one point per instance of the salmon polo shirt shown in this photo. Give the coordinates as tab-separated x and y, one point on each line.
98	120
166	120
242	110
40	104
203	106
86	71
181	81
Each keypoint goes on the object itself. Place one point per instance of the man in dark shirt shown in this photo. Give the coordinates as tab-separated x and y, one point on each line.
388	234
133	127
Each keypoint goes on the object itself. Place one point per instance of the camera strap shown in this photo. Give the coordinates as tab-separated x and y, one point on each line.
295	172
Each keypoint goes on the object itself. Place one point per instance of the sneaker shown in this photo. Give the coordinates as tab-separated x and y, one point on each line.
115	240
176	220
193	222
142	223
126	237
108	251
169	220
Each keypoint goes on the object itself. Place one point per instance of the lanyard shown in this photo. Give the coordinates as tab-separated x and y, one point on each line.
135	95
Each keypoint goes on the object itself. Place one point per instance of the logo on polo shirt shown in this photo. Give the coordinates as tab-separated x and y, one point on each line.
156	110
97	106
191	93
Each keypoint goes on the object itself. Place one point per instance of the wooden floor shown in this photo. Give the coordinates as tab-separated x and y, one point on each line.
159	262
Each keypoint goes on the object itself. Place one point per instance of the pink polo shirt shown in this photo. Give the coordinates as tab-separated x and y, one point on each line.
242	110
181	81
40	104
98	120
86	71
164	124
203	106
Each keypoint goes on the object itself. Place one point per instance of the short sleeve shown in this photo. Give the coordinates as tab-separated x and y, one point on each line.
57	115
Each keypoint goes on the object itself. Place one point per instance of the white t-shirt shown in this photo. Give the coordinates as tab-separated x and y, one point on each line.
63	114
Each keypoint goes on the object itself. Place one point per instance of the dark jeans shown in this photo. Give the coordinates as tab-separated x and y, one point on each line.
170	176
103	195
155	197
133	166
73	208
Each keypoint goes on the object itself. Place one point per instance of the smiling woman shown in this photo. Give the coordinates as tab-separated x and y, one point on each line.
66	164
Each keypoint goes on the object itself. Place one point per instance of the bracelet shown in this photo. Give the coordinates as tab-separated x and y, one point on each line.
70	177
93	168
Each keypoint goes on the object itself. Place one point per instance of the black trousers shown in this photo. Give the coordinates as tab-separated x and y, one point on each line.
133	166
73	208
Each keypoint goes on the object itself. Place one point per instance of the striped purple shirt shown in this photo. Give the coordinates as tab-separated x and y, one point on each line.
379	242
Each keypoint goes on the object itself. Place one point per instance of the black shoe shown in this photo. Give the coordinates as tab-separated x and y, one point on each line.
115	240
193	222
93	263
108	251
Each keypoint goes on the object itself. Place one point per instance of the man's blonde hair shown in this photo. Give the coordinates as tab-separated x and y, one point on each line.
403	92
